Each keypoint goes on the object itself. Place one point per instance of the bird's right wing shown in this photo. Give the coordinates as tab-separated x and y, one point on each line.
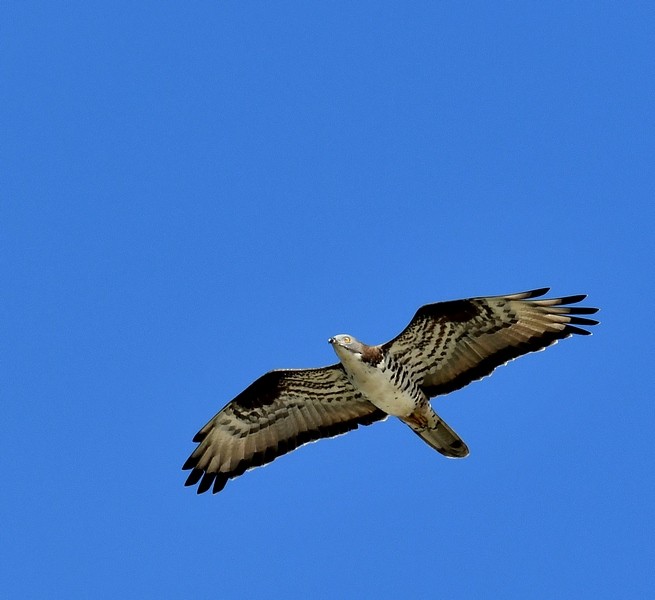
277	413
448	345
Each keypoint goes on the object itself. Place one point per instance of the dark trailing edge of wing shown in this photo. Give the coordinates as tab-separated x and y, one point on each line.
218	480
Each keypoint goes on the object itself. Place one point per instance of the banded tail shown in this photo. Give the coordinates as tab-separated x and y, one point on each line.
435	432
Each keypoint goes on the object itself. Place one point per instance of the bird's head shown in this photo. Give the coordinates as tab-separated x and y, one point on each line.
348	348
344	343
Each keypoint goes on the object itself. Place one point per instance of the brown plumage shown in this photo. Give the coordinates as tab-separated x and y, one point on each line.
445	346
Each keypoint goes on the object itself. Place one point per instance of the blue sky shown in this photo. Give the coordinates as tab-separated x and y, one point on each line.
195	193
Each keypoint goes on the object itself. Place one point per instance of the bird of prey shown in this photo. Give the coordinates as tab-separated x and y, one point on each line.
446	346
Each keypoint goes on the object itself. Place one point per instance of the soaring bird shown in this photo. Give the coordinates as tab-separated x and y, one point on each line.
446	346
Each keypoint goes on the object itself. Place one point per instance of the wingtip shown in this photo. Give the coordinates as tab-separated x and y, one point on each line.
572	299
581	310
206	483
214	481
524	295
583	321
570	329
538	292
219	484
190	463
194	477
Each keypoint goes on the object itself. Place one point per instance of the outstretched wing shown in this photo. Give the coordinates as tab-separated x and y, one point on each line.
277	413
448	345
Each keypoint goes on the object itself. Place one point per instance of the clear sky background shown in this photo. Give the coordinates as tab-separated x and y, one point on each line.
195	193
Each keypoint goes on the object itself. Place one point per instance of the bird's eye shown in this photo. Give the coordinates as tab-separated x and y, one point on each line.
347	339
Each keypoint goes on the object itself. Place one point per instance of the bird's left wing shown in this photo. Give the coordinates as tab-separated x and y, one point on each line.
448	345
277	413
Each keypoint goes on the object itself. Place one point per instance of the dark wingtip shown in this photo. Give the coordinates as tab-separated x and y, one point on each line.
573	299
538	292
570	329
219	484
206	483
218	480
194	477
190	463
583	321
198	437
581	310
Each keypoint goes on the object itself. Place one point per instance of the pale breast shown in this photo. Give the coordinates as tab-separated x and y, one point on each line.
386	386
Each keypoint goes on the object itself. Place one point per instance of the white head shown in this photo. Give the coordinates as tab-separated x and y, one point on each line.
348	348
346	344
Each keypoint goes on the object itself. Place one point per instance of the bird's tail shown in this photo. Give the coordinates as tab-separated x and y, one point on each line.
435	432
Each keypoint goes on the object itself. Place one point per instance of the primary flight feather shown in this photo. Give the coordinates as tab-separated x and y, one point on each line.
446	346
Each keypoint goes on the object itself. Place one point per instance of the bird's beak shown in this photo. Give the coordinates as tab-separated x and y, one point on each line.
331	341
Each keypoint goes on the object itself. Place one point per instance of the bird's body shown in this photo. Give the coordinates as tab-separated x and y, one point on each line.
396	391
387	386
445	346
